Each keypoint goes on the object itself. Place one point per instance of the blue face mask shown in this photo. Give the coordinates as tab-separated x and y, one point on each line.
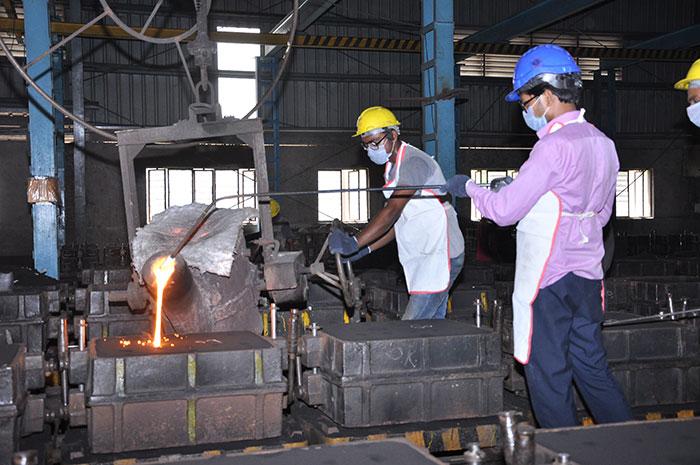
535	122
378	155
694	113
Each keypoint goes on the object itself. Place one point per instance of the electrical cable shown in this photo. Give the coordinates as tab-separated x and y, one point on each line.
285	61
138	35
48	98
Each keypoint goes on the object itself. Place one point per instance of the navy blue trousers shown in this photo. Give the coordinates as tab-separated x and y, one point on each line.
567	346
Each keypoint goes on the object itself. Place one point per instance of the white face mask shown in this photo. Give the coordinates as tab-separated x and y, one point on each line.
378	155
535	122
694	113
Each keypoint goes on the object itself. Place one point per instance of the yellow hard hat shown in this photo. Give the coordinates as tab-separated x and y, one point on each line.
693	75
274	208
375	118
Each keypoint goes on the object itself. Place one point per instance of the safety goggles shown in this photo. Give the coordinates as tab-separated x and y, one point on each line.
524	104
374	145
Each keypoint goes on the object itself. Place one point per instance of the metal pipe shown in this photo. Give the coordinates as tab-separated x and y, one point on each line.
692	313
524	453
273	321
63	360
507	420
474	455
292	352
670	305
82	334
497	316
477	317
298	368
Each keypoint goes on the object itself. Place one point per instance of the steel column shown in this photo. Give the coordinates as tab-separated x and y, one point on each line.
438	76
266	70
79	211
45	158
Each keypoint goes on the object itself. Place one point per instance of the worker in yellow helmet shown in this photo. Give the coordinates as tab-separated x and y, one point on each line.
424	224
691	83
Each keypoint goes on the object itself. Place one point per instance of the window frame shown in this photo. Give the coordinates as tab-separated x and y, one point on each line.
484	176
345	198
227	74
240	173
645	189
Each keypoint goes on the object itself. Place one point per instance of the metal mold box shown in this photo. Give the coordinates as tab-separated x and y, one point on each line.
12	369
206	388
395	372
667	340
12	398
403	348
24	315
393	401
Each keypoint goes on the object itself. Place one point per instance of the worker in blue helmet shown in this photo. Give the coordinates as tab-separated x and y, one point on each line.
561	199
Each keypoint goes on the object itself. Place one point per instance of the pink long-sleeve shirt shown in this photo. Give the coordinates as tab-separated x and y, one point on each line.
579	164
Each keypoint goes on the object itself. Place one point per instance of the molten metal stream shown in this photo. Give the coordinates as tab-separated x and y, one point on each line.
163	269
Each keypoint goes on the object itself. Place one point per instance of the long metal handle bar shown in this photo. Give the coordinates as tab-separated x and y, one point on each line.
205	214
692	313
338	191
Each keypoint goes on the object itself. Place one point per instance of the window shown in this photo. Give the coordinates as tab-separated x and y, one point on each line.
489	65
633	195
484	177
167	187
349	207
236	64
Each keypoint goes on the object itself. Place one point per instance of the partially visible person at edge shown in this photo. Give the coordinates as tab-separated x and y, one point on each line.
424	224
691	84
562	198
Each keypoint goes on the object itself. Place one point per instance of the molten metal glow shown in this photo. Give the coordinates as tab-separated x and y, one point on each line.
163	269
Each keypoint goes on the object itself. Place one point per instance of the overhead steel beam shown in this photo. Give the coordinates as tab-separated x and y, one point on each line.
373	44
309	12
531	19
685	38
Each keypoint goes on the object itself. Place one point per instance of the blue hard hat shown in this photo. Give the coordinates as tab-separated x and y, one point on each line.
543	59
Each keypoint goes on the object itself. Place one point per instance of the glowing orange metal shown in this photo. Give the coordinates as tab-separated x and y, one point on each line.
163	269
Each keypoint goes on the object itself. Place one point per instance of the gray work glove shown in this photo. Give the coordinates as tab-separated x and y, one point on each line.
499	183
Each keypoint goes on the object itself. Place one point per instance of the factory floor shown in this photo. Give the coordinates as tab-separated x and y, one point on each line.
305	426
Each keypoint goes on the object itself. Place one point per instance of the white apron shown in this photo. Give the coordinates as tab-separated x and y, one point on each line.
421	237
536	233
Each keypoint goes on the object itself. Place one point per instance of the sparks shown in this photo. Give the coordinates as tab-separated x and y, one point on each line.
163	269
